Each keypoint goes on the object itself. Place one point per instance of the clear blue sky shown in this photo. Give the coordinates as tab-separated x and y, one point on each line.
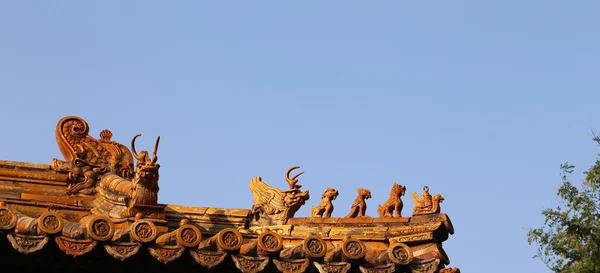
480	101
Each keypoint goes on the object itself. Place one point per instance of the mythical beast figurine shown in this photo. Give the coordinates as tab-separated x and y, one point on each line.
359	207
326	205
273	206
394	203
118	196
427	204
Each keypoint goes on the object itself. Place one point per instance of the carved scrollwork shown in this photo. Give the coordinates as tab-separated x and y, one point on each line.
27	243
248	264
340	267
188	235
143	231
400	253
427	266
166	254
122	250
314	247
208	259
354	249
8	218
51	223
100	228
291	266
386	268
230	239
270	241
75	247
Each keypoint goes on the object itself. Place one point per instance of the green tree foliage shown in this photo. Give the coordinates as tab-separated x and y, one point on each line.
569	240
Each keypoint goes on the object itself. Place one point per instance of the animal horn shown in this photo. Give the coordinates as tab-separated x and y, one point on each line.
154	157
138	157
292	181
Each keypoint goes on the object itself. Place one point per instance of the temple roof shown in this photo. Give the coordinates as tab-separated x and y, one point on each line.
102	198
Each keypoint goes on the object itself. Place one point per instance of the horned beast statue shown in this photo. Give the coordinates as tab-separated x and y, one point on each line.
141	190
273	206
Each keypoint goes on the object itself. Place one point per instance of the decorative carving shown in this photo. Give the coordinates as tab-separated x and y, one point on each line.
427	266
354	249
166	253
208	259
273	206
100	228
386	268
75	247
326	205
122	250
340	267
248	264
143	231
400	253
427	204
291	266
188	235
270	241
229	239
449	270
144	186
51	223
8	218
359	207
394	203
27	243
314	247
87	158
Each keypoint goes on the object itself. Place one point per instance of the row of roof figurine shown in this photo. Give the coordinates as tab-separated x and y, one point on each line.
422	205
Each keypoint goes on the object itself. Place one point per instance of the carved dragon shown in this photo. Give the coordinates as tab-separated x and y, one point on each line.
273	206
359	207
394	203
427	204
326	206
86	158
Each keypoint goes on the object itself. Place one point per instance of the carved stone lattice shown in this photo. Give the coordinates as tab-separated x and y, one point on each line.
428	266
248	264
400	253
166	254
386	268
27	243
359	207
75	247
354	249
143	231
314	247
122	250
326	205
427	204
291	266
394	203
208	259
273	206
188	235
8	219
340	267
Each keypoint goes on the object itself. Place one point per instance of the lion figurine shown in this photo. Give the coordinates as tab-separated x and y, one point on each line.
394	203
326	206
359	207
